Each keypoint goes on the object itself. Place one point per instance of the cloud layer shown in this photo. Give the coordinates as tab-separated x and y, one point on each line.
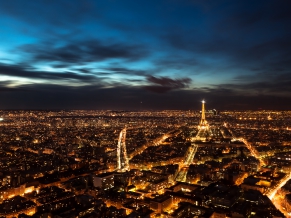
169	55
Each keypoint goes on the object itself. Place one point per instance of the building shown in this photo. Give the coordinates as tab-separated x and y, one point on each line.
160	203
104	181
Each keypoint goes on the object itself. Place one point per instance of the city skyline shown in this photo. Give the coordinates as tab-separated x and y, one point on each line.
152	163
146	55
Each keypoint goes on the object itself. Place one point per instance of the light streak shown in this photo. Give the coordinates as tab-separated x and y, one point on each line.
155	142
181	174
121	146
253	151
271	193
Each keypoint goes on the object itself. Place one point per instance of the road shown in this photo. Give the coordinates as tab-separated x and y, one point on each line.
155	142
271	193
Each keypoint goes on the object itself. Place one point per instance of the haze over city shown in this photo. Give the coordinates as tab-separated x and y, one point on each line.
132	55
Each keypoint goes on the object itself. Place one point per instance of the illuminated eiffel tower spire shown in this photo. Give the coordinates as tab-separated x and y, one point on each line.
203	127
203	122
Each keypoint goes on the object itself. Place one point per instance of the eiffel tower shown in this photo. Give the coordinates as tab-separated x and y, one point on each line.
204	132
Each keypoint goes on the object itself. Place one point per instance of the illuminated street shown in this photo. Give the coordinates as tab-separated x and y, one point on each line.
253	151
276	198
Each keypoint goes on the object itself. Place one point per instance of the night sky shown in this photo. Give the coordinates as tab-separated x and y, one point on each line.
143	54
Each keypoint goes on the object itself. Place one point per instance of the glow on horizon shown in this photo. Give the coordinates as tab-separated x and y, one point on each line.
13	81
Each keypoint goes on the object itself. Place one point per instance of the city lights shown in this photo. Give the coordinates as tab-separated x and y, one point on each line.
58	160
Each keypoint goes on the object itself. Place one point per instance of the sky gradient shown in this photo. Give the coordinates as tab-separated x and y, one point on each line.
133	55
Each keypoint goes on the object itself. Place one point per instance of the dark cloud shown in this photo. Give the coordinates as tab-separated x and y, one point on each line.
164	84
165	81
84	70
60	65
129	98
82	52
126	71
269	83
158	89
135	80
177	62
58	14
30	73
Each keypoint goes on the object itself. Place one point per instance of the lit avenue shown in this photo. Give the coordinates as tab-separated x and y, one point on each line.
158	164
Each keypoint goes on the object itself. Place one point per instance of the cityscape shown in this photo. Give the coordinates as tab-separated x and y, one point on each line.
145	109
169	163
